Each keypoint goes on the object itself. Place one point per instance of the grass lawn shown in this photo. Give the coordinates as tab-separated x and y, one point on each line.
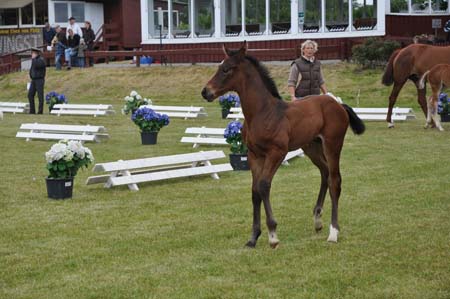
185	238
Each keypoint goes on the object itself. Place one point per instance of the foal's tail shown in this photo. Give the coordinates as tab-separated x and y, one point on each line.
356	123
422	80
388	76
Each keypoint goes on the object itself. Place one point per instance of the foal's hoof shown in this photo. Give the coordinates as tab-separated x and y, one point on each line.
333	236
318	224
426	126
391	125
250	244
274	244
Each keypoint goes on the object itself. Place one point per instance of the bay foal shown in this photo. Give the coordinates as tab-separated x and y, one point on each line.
273	127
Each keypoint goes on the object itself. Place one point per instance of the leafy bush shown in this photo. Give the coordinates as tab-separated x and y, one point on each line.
233	136
148	120
53	98
374	52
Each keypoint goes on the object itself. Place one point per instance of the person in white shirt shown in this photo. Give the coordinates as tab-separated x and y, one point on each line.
75	28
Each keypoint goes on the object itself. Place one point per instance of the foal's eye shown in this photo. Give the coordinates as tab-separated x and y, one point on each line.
226	70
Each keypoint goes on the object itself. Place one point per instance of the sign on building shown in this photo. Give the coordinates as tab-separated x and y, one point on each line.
17	39
436	23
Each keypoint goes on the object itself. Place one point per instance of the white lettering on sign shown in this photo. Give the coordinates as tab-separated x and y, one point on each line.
14	43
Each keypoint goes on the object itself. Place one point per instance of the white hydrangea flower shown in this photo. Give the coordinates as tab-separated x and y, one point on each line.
129	99
77	148
133	93
68	155
148	101
139	97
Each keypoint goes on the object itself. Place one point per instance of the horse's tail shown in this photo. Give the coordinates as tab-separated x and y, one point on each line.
422	80
356	123
388	76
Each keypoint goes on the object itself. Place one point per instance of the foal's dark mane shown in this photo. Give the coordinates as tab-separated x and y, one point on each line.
265	76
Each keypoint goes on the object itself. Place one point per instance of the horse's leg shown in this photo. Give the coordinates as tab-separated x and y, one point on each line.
256	168
429	121
315	152
271	163
434	107
332	150
422	98
392	99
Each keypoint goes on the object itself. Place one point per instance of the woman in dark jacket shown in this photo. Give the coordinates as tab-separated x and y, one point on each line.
89	39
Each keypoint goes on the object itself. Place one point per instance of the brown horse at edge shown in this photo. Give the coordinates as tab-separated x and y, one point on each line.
411	63
273	127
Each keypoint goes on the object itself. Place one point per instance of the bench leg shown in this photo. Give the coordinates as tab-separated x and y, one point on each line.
213	175
132	187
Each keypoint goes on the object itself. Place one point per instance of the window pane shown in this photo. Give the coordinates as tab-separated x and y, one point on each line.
204	18
27	14
181	24
310	15
364	14
78	12
255	17
280	16
158	15
439	5
41	8
419	5
61	12
399	6
233	17
336	12
9	16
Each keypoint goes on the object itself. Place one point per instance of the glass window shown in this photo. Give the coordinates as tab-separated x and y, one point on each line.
280	16
233	17
439	5
41	9
255	17
61	13
419	5
78	12
204	18
399	6
9	16
27	14
181	22
336	12
364	14
309	15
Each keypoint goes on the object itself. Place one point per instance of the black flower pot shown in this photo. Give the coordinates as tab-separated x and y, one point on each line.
149	137
225	112
59	188
239	162
445	117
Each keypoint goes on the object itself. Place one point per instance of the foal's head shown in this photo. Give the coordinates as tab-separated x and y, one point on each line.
228	75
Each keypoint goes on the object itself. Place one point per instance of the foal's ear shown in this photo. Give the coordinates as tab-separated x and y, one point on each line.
226	51
243	49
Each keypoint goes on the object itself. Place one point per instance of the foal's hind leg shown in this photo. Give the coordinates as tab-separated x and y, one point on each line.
315	152
332	150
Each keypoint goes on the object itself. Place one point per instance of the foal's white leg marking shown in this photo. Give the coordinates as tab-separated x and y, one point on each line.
273	240
391	125
333	237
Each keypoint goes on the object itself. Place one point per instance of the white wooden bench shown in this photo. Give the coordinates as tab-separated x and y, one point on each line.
179	111
133	172
236	113
82	109
379	114
214	136
32	131
14	107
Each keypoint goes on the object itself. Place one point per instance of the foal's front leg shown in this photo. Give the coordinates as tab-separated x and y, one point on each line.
434	108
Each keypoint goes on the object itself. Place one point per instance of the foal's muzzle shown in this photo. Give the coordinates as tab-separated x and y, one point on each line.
207	95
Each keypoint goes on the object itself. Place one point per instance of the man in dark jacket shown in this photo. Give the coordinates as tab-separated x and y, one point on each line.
48	34
37	75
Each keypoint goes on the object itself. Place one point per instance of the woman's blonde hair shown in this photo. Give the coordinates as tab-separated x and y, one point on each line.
310	43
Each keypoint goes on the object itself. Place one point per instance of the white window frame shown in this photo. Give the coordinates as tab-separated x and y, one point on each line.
219	34
411	12
69	11
20	25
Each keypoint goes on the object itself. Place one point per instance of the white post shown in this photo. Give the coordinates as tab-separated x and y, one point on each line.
268	31
34	13
146	19
409	6
192	18
429	6
381	17
217	19
323	16
243	32
350	16
170	19
294	16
